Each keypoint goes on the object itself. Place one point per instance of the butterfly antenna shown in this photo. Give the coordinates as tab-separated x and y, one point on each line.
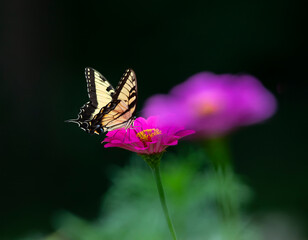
71	121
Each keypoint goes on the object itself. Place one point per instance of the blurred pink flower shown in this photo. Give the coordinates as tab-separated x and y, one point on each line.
146	136
213	105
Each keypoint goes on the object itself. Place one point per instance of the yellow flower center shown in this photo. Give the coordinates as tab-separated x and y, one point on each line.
146	135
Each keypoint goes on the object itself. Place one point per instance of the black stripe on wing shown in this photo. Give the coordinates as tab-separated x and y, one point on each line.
127	90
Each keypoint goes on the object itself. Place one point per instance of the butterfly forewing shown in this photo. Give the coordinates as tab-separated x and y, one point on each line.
99	89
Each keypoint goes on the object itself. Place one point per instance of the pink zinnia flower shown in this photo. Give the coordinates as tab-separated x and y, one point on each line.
146	137
149	138
214	104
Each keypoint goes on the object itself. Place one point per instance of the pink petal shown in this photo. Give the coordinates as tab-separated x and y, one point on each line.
124	146
140	122
152	122
184	133
172	142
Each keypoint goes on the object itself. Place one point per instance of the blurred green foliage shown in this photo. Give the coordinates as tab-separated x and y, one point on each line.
131	208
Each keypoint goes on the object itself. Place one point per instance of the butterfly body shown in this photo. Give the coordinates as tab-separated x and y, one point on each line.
108	108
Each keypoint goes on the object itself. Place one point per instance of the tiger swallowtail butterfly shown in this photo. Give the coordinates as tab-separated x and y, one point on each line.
108	108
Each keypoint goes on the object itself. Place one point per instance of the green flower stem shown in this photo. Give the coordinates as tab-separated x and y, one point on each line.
219	156
163	200
154	162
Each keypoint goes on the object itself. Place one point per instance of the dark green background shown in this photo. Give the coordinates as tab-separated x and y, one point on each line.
47	164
